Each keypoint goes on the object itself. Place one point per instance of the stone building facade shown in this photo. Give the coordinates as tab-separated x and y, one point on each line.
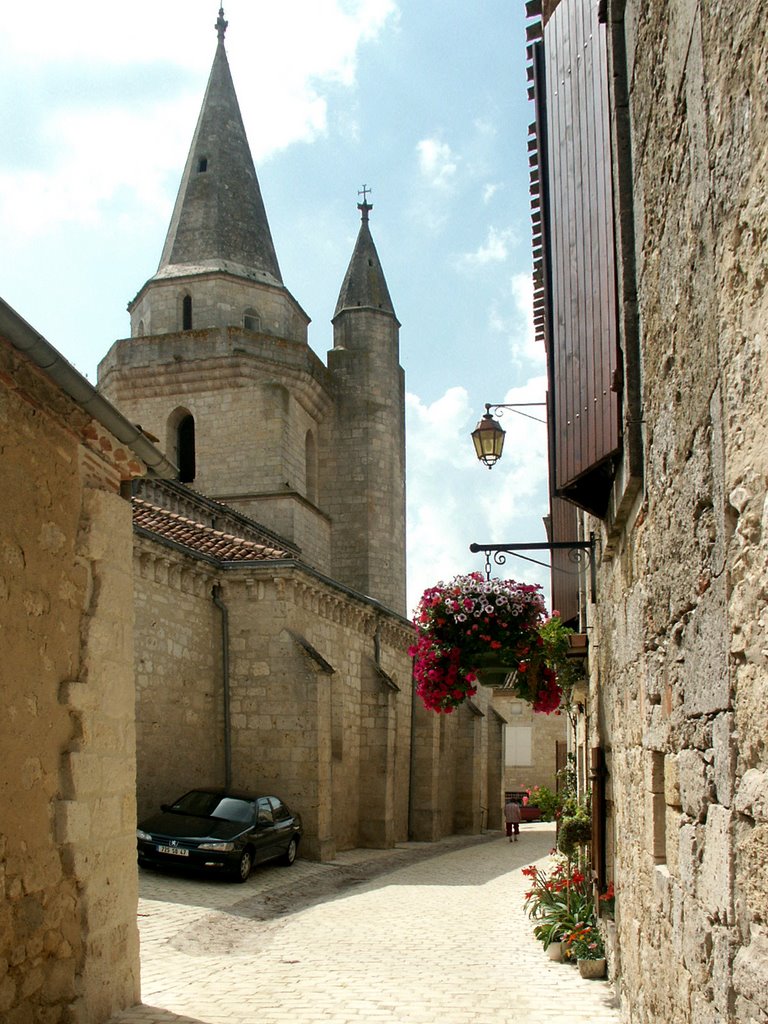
534	744
672	380
68	938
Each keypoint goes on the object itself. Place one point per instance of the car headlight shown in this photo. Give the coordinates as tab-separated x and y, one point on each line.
143	835
219	847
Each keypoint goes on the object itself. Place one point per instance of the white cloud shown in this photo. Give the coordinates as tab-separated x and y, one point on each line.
513	317
495	249
453	500
100	147
437	163
489	191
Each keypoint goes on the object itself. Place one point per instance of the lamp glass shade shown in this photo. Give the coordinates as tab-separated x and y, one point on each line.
488	439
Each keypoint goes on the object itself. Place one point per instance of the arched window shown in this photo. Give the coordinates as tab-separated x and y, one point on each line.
186	313
186	448
310	452
141	328
251	320
181	443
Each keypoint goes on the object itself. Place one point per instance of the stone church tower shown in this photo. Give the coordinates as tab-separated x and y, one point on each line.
218	368
269	580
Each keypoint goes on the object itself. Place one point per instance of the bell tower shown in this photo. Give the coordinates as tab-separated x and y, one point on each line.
218	368
366	465
217	365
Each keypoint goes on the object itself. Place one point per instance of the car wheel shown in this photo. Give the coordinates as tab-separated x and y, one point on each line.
244	865
290	854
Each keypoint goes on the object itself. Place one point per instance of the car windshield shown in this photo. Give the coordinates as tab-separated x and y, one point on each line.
213	805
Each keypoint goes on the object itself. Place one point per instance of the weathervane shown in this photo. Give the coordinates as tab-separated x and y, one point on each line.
221	25
365	207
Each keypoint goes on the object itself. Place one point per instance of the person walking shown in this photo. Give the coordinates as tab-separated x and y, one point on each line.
512	818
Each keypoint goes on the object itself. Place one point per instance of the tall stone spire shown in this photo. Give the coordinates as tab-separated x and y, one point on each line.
364	284
219	221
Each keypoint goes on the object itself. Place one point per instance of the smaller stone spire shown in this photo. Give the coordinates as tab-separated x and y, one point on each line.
221	25
364	285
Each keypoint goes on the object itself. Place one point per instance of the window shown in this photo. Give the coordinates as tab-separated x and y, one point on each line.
251	320
186	449
517	745
310	451
202	165
186	313
264	811
658	807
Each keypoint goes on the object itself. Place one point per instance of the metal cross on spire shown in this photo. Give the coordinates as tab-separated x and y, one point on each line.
221	25
365	207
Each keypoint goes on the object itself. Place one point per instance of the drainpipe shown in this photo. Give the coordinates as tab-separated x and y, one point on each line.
216	595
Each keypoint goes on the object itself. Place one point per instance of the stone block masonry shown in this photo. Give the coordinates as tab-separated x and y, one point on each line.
68	939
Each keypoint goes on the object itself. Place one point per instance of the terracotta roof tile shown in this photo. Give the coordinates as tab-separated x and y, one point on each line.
200	538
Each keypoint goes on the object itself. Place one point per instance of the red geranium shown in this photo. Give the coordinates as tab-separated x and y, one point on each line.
451	644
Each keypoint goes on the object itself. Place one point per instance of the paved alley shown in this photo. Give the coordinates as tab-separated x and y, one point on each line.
421	934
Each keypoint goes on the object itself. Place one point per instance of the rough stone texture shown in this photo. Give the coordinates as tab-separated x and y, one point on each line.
68	939
679	659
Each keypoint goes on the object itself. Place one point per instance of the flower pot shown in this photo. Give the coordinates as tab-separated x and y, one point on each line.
555	951
592	968
494	676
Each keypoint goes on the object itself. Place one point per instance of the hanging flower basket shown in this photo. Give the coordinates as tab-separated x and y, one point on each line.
474	630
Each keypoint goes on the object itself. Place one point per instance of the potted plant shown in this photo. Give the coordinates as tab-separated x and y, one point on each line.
559	902
471	625
574	831
585	946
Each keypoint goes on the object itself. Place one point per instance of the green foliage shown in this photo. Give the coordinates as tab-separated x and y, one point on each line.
585	942
547	802
556	646
574	831
560	902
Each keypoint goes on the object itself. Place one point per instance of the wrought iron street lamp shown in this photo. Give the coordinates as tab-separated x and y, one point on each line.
488	439
488	435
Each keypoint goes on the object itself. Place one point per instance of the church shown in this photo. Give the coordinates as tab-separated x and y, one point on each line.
203	567
271	641
204	581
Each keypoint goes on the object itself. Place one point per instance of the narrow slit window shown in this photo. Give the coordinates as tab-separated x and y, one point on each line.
186	313
185	447
202	165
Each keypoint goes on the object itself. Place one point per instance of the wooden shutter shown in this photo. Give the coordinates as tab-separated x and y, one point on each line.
579	270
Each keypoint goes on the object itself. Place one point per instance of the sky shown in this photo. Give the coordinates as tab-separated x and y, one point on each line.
422	101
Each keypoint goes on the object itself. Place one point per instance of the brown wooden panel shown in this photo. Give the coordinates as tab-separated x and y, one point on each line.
565	572
575	170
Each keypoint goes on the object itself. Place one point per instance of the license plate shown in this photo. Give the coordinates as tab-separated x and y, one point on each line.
177	851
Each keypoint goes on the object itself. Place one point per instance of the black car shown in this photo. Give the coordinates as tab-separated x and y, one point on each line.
208	829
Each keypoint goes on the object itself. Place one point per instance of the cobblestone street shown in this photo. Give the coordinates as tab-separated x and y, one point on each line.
424	933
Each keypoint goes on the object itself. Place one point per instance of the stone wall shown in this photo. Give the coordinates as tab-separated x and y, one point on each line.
320	696
678	669
254	399
536	763
218	300
68	938
456	769
363	458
